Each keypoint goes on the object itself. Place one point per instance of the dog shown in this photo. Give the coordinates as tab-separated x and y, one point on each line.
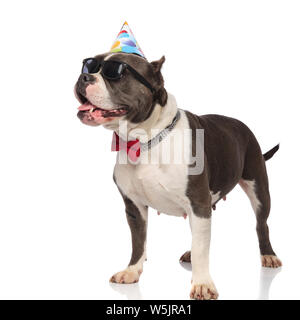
116	87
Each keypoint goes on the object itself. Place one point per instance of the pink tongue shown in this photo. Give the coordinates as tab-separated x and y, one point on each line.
97	114
85	107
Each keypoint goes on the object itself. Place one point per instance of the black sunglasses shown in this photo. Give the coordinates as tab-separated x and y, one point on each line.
112	70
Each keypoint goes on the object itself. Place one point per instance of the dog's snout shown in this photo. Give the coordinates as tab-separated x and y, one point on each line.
87	78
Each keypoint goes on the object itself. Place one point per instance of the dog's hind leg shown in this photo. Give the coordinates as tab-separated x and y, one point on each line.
186	257
137	217
254	182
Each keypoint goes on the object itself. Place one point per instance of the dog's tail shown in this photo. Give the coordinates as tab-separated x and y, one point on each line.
268	155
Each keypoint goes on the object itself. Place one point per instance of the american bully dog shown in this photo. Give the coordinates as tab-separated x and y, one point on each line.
125	87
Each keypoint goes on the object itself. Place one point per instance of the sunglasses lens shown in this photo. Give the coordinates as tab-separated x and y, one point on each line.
112	69
90	66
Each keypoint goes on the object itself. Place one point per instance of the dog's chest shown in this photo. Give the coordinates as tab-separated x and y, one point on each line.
161	187
158	183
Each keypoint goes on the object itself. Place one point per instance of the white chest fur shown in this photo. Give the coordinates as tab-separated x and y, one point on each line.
159	184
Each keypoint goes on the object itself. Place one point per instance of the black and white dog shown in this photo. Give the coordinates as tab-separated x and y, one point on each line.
121	86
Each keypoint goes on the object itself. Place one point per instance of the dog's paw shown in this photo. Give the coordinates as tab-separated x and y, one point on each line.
270	261
204	292
186	257
126	276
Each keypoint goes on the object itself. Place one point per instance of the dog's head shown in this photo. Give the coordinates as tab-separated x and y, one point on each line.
131	97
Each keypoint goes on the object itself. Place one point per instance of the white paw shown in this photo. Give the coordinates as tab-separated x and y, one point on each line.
270	261
204	291
126	276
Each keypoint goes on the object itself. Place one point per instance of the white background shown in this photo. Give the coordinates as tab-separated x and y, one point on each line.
63	231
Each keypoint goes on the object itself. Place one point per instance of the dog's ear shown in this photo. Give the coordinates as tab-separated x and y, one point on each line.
158	64
161	95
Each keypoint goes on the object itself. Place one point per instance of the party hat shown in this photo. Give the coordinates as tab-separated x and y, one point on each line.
126	42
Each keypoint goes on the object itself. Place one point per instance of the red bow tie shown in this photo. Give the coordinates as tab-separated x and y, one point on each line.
132	147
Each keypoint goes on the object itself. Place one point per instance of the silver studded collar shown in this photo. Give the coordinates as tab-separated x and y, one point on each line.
160	136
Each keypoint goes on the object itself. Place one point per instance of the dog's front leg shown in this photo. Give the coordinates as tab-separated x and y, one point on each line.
137	217
203	287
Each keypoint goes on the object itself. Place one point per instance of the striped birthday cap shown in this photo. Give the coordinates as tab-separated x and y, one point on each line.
126	42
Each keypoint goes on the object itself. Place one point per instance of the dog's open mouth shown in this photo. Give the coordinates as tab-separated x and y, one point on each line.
92	115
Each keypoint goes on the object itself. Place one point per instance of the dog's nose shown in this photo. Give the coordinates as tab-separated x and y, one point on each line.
86	78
